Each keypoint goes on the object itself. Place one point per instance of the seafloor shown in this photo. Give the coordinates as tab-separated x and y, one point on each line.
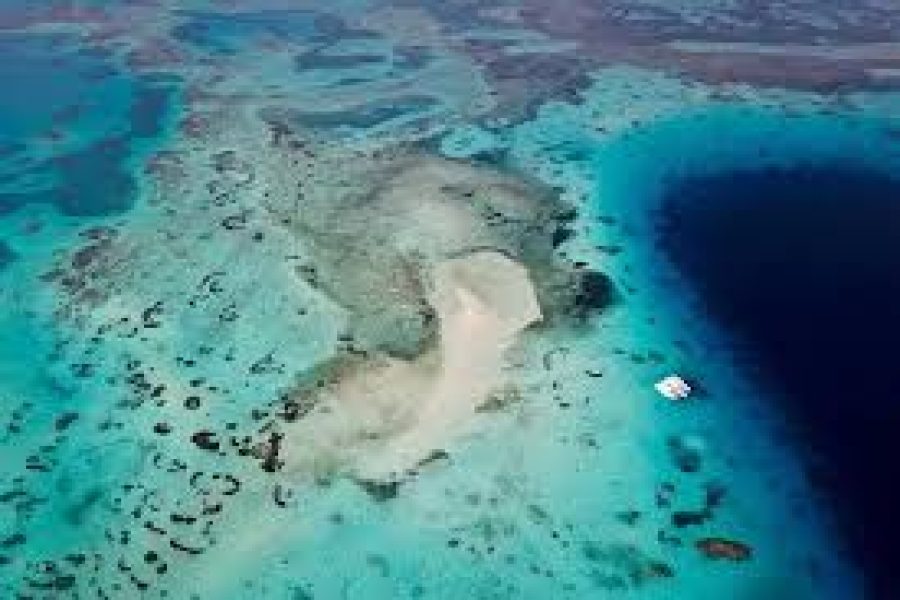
366	299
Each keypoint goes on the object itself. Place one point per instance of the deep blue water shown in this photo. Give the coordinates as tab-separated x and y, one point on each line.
801	266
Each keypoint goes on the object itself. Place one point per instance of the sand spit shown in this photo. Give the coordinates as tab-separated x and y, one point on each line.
390	414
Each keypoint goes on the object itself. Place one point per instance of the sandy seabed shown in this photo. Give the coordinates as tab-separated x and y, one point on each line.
391	413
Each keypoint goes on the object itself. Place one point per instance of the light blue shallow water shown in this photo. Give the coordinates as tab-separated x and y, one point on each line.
150	277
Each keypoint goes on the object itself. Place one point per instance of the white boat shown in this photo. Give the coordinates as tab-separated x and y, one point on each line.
673	387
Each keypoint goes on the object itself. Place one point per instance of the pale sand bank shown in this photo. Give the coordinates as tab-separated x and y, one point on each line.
389	414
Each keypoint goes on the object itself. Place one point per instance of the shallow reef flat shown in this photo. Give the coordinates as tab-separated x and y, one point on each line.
368	299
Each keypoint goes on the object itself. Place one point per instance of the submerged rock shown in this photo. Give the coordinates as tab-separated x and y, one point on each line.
380	491
591	292
6	254
724	549
205	440
64	420
686	453
686	518
595	290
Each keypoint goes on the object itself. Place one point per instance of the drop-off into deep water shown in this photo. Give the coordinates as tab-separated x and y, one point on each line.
367	299
802	266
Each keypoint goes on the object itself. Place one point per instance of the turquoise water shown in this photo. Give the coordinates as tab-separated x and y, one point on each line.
211	219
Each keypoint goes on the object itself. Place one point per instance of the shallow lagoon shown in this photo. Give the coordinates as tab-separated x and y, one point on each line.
224	281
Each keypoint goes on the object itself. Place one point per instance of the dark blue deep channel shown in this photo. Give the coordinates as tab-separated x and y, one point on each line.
801	265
